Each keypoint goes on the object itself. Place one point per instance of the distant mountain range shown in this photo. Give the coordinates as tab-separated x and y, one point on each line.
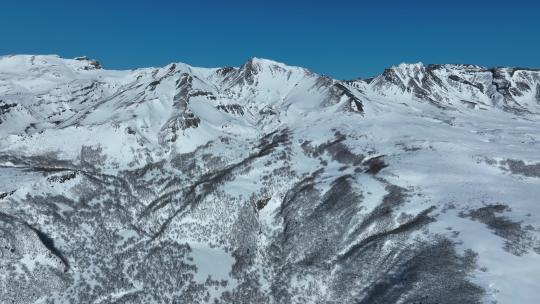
267	183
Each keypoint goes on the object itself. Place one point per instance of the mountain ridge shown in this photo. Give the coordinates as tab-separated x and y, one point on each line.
266	183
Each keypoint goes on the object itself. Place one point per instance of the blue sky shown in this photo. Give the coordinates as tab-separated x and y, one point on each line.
343	39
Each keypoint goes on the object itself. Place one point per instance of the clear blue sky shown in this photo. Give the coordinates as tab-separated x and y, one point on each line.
343	39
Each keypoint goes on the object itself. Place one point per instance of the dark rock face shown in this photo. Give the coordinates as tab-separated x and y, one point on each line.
232	108
92	64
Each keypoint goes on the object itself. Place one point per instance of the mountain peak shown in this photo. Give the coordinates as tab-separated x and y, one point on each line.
264	61
409	66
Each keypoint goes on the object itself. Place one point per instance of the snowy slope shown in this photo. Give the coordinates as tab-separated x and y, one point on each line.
267	183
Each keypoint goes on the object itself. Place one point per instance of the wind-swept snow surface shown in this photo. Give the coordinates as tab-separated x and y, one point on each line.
267	184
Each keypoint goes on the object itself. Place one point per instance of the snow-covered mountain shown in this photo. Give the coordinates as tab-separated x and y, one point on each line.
267	183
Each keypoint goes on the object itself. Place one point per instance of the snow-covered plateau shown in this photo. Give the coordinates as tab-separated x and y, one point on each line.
267	183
